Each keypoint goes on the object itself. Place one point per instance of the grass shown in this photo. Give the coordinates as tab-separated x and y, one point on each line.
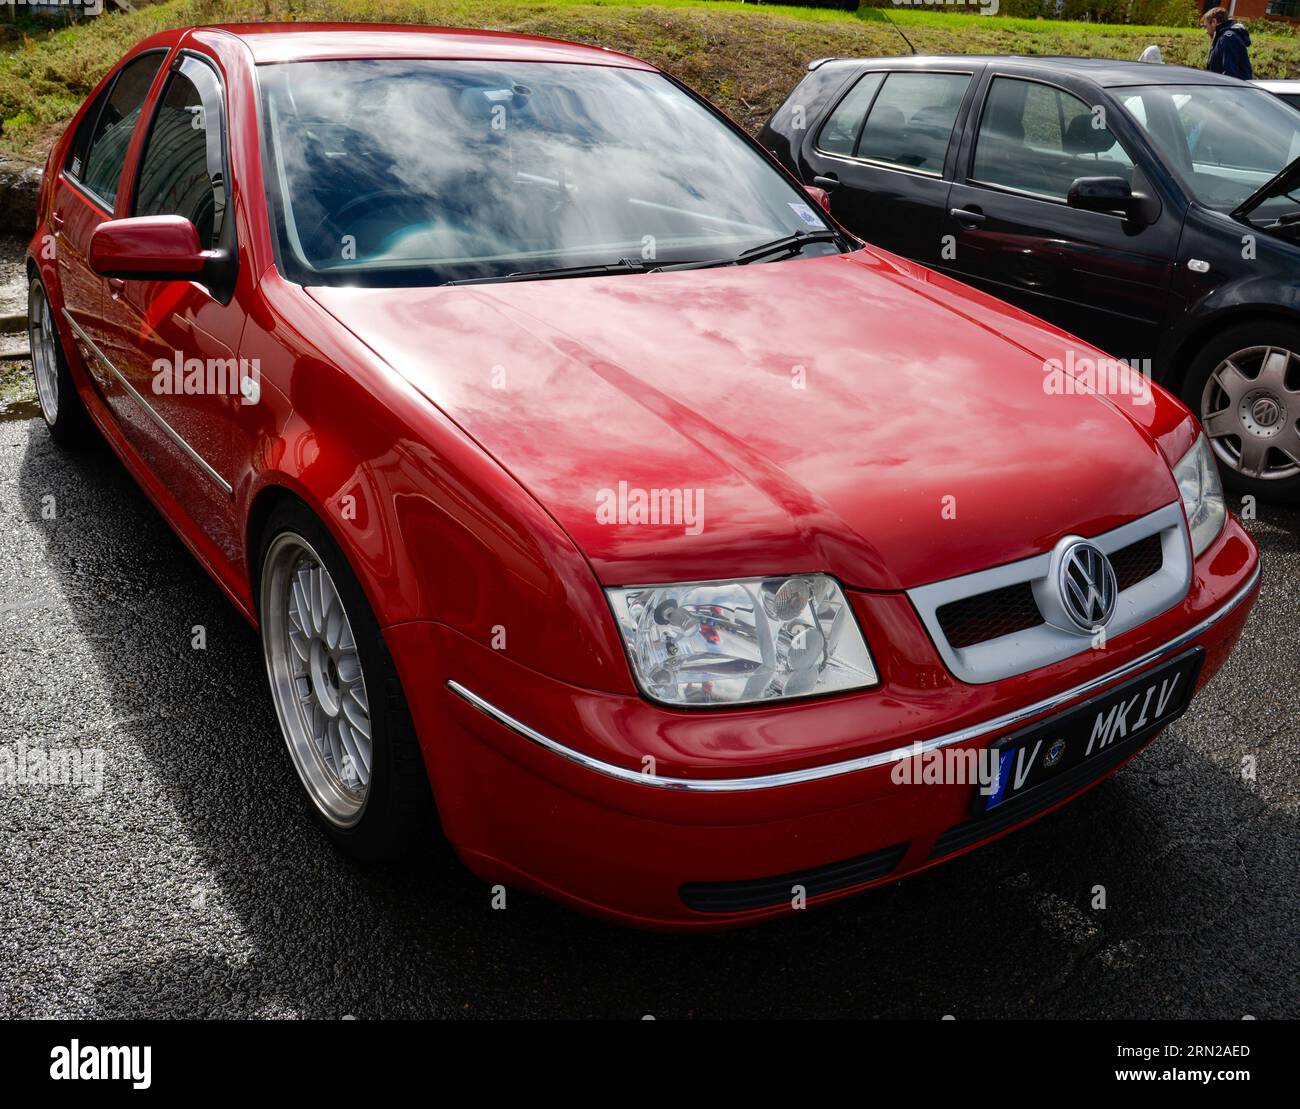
744	57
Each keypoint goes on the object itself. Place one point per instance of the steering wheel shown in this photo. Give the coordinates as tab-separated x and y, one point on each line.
376	198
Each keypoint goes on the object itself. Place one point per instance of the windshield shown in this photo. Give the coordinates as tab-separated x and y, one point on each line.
1224	142
423	172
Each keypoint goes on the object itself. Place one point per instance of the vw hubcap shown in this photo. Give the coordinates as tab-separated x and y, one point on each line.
45	364
316	680
1250	409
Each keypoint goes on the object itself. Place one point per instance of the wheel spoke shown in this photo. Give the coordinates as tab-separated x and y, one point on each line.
356	714
353	750
1232	381
1272	371
1289	443
300	584
1221	423
334	624
1254	456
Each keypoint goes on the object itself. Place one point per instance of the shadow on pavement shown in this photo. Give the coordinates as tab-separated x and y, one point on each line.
1200	869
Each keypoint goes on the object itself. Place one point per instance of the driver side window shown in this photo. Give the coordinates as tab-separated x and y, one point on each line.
1038	139
182	172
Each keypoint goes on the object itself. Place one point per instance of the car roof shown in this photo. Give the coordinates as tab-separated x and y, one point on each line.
1107	72
284	42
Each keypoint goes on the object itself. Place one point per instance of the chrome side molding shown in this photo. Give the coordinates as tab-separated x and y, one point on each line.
866	762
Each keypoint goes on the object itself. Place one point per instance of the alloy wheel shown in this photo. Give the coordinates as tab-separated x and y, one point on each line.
1250	409
45	362
316	679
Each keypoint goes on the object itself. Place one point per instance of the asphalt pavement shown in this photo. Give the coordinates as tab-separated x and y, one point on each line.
184	878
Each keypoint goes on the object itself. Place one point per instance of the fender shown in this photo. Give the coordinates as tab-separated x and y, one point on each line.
411	498
1267	284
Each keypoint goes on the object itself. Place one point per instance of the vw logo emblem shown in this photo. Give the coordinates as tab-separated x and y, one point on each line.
1087	586
1266	411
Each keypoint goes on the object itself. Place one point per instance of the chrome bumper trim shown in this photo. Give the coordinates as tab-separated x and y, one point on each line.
149	409
866	762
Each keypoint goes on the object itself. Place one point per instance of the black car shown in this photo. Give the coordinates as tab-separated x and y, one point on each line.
1154	211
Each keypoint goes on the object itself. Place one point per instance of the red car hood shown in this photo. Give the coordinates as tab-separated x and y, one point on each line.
853	414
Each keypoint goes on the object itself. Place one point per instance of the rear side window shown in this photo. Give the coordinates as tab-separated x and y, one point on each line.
182	171
99	148
1038	139
912	118
839	135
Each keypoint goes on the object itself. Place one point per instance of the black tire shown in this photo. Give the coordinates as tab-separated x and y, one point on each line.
64	414
1241	338
397	818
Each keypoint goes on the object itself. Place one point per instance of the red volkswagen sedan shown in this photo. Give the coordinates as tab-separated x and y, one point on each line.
592	489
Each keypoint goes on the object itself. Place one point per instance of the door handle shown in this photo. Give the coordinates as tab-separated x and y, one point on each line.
969	216
56	217
827	181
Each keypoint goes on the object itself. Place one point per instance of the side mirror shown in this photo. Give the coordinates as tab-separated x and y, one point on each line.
820	196
155	248
1106	194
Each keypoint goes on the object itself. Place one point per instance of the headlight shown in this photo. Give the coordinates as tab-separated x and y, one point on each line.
736	642
1198	482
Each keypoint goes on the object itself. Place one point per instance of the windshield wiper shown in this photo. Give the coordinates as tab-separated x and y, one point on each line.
787	244
623	265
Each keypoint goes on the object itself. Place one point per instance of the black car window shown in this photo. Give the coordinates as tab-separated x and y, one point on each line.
182	172
108	128
839	135
1224	141
1038	139
912	118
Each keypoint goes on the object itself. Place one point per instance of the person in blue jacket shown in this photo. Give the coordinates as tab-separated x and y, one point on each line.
1229	44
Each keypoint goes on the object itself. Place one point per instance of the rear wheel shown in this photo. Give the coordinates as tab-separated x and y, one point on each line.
1245	386
60	403
337	695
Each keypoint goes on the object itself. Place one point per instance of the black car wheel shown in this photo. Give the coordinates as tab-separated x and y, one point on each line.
1245	386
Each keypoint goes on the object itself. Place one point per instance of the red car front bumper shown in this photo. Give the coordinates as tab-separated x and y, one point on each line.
706	819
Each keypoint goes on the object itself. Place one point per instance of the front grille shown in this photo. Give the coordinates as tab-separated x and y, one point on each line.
1138	561
988	615
763	893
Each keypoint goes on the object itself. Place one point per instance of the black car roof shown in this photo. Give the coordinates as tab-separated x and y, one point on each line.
1107	72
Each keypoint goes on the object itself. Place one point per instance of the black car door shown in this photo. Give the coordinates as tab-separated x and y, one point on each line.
886	144
1102	276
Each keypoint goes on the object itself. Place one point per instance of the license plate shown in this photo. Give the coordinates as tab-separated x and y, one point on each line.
1120	717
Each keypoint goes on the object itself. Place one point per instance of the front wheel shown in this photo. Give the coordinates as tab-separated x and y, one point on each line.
337	694
1245	386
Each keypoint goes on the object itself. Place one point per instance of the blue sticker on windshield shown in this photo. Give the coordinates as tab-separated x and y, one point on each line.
806	214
